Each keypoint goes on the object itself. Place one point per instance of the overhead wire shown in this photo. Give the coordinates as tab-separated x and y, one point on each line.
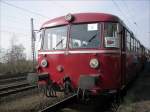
14	19
138	29
18	33
19	37
15	27
135	23
132	18
129	11
149	25
23	9
122	13
60	5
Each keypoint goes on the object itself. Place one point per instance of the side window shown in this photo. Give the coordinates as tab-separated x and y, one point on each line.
111	36
132	44
128	40
135	45
138	47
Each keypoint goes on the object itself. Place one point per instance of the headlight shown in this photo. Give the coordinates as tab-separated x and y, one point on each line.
44	63
94	63
69	17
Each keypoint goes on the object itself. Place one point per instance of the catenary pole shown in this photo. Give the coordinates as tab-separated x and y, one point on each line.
32	44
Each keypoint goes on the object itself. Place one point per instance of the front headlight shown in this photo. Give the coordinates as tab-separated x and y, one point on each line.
94	63
69	17
44	63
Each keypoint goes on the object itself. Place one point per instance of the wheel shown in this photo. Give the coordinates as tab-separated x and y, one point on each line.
79	94
50	92
118	97
67	87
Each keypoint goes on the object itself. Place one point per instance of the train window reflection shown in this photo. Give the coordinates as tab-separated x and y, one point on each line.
55	38
38	41
110	35
85	36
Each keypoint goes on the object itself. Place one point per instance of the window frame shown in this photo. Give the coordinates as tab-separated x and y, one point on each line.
99	35
128	40
43	36
118	33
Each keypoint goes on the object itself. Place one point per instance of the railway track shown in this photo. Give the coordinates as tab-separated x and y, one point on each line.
7	76
13	85
71	103
20	78
61	104
15	90
19	84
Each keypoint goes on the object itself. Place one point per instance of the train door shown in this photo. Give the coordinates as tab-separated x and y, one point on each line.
123	56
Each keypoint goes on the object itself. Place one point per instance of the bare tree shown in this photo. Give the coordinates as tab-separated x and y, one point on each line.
14	59
15	54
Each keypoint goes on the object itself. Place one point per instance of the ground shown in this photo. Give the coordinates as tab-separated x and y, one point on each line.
136	100
138	96
29	101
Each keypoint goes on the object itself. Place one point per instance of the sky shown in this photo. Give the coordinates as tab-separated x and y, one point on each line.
15	17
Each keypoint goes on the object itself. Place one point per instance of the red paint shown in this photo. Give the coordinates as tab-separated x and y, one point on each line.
76	64
82	18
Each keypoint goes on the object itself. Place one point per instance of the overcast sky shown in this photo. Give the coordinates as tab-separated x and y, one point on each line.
15	16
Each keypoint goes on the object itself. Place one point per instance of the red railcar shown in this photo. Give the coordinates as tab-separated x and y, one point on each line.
92	52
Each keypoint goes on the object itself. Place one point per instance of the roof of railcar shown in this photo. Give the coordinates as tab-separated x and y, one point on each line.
82	18
85	18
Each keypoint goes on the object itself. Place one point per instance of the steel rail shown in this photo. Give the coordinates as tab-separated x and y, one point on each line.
13	91
6	76
12	79
61	104
15	85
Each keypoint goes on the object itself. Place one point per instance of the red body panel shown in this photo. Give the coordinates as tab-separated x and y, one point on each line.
82	18
112	72
76	64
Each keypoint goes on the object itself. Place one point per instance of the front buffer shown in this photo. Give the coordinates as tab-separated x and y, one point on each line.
88	85
42	80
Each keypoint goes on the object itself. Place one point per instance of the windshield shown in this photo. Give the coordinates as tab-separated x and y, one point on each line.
81	36
55	38
85	36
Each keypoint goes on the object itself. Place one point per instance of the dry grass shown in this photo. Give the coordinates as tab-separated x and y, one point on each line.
29	103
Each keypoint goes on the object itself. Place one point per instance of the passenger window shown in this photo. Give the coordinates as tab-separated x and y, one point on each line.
133	44
128	41
136	46
132	47
111	35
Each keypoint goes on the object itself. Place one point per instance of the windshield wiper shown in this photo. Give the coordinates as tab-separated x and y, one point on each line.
58	43
90	40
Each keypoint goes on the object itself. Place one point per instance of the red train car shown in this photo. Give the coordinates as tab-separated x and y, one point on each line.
87	52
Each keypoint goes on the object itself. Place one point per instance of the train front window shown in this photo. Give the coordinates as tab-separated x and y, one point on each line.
85	35
55	38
